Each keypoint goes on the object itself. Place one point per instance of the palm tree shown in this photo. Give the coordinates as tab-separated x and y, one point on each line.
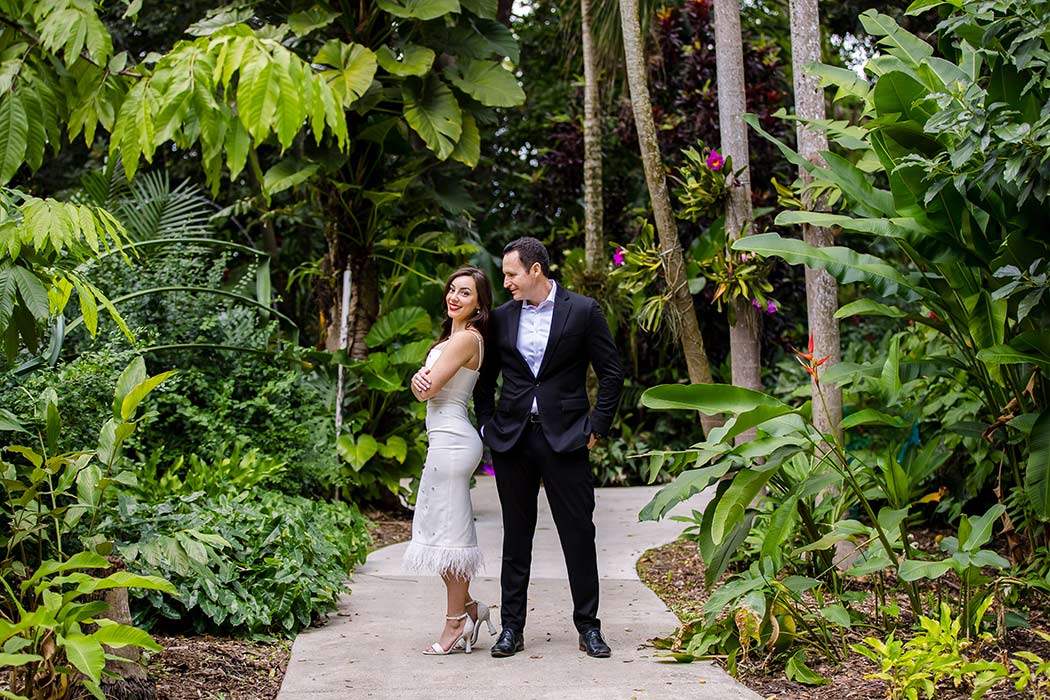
729	60
593	210
821	288
667	229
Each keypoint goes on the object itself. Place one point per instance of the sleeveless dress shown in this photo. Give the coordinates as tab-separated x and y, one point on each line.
444	540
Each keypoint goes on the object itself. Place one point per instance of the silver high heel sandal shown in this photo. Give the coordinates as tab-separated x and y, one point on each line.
464	639
483	615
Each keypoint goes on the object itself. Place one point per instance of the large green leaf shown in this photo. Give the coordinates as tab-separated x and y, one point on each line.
683	487
302	23
871	416
131	402
258	93
84	653
496	37
468	148
488	82
898	227
406	320
913	569
731	507
357	452
902	44
845	265
1037	471
742	422
870	307
289	172
707	398
1008	355
482	8
14	130
117	636
419	9
353	67
433	112
409	60
899	93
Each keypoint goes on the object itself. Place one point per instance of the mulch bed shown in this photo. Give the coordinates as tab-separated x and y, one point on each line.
675	572
219	668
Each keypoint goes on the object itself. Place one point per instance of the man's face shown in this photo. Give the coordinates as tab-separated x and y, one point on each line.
520	282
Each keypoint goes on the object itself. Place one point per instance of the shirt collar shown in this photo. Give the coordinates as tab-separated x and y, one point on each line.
549	300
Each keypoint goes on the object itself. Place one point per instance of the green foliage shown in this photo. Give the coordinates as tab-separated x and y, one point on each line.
42	242
249	563
384	439
941	652
232	470
961	148
48	495
54	628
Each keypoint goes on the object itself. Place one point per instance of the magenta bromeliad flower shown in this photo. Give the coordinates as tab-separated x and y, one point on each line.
715	161
771	307
488	469
618	257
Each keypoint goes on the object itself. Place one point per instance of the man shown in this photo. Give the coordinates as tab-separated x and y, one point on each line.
543	428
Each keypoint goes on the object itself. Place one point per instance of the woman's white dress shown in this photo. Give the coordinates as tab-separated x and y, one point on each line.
444	540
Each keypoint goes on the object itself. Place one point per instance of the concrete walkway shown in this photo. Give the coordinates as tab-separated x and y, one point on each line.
371	647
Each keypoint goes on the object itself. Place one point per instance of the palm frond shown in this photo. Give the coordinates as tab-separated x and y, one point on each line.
153	209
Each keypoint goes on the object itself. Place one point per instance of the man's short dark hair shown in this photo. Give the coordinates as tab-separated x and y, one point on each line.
531	251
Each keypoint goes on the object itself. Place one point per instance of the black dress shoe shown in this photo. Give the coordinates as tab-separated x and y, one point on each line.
594	644
508	644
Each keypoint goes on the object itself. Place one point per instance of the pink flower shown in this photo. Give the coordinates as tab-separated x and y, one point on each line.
488	469
715	161
756	303
771	307
618	257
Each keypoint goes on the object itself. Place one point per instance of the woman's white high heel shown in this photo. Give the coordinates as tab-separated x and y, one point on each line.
483	615
465	639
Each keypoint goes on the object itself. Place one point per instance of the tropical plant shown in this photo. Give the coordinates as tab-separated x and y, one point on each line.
966	193
42	242
343	78
252	562
51	544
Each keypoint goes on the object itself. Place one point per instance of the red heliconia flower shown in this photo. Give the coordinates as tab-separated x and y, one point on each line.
808	363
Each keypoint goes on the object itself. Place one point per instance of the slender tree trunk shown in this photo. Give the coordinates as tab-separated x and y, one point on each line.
821	288
744	330
667	229
342	254
593	210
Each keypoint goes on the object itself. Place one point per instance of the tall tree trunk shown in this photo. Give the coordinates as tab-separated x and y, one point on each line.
667	229
821	288
342	254
593	210
744	330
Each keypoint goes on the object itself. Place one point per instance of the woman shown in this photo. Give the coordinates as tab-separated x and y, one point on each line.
444	541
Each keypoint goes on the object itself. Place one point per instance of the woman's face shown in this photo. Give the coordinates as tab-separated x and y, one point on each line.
461	299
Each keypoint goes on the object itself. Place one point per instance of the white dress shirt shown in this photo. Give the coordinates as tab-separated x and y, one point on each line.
534	329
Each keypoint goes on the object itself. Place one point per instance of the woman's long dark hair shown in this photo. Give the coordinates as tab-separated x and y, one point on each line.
480	319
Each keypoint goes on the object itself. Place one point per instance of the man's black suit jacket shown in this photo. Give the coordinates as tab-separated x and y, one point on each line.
579	337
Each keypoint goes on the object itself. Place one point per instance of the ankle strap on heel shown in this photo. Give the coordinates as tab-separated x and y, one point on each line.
456	617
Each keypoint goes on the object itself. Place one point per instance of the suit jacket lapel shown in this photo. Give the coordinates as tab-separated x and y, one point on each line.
513	322
562	306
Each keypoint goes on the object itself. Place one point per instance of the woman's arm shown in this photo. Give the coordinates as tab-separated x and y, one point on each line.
462	348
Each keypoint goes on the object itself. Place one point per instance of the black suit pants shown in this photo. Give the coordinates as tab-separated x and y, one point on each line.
570	491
